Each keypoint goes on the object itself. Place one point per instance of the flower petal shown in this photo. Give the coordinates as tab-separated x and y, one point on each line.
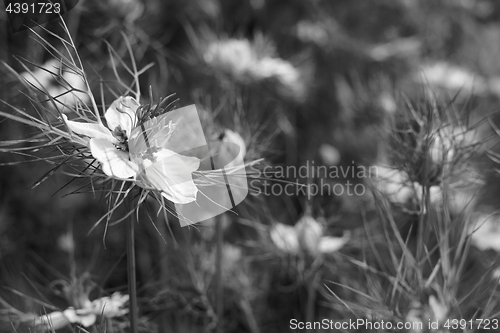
178	130
109	307
43	77
285	238
85	320
309	232
122	113
115	163
54	320
171	173
329	244
92	130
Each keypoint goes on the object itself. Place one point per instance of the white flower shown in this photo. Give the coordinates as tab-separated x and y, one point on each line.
438	310
127	149
66	86
285	238
42	77
313	32
486	233
282	71
309	233
238	58
329	154
307	236
66	242
397	187
108	307
233	56
451	77
54	320
496	274
80	317
448	140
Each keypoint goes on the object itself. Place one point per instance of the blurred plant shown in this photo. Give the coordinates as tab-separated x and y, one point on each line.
431	142
431	149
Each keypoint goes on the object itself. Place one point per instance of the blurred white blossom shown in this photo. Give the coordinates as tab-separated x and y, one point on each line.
448	140
329	154
239	59
44	76
306	236
450	77
285	238
309	234
486	232
401	47
109	307
64	85
425	313
438	310
399	189
66	242
496	274
233	56
314	32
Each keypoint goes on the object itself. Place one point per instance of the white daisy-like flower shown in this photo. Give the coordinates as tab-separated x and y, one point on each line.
128	149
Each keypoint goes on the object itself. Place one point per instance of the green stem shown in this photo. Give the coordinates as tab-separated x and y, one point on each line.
132	287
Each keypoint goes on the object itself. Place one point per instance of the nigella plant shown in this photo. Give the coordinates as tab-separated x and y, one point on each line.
134	149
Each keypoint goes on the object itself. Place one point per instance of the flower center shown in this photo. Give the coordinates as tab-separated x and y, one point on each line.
121	136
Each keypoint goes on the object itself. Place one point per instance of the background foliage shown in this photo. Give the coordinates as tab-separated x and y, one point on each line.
334	82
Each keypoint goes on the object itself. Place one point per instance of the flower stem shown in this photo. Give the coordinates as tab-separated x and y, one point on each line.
219	293
132	288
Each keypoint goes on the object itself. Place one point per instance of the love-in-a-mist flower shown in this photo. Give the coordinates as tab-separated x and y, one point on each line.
109	307
307	236
136	149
